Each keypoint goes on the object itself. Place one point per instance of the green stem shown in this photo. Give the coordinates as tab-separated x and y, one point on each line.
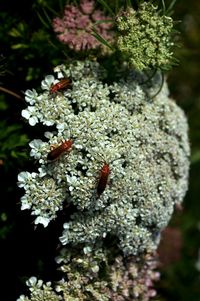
10	92
162	83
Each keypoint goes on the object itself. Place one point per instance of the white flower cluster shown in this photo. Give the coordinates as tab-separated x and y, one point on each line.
131	148
98	275
39	291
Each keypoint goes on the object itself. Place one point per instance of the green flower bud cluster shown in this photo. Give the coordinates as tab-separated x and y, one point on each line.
145	37
142	141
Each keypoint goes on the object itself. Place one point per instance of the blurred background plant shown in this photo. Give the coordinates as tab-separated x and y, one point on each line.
181	279
30	49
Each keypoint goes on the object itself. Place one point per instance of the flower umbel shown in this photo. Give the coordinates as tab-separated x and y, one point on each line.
145	37
98	276
76	27
143	142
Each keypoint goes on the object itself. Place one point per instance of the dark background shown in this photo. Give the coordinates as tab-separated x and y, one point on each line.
29	50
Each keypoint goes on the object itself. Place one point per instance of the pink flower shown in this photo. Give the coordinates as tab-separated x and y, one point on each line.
75	27
87	7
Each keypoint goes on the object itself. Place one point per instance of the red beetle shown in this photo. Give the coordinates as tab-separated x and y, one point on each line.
64	83
59	150
103	178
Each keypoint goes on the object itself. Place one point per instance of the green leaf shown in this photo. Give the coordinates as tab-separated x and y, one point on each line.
128	3
18	46
14	33
104	4
164	7
3	105
51	10
47	16
116	6
42	20
101	39
103	21
195	158
169	10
